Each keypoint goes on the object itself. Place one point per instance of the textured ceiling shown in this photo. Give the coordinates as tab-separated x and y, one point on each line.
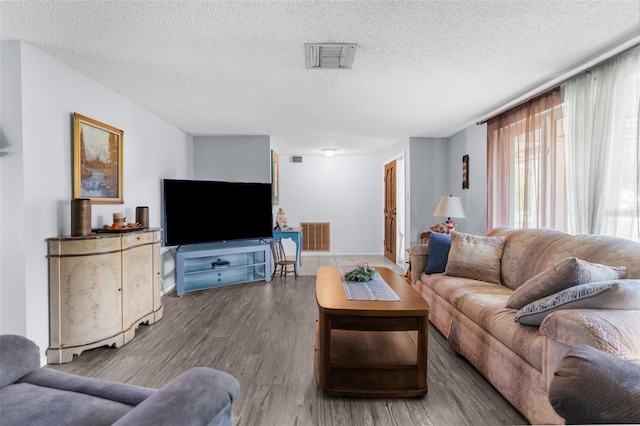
422	68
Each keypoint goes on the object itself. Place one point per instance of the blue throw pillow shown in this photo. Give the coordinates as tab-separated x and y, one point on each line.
439	245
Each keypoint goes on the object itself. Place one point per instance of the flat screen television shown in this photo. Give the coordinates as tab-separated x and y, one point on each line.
201	211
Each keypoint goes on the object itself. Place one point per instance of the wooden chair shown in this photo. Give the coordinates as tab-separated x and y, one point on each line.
280	259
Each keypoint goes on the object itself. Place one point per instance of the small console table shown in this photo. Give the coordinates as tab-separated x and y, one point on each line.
203	266
296	236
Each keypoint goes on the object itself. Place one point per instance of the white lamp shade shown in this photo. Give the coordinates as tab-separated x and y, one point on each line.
449	207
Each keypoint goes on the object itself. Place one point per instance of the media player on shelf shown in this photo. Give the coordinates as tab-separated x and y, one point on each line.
220	263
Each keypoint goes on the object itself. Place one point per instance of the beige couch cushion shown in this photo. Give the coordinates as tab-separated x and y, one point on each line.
488	311
452	288
522	250
601	249
484	304
564	274
475	257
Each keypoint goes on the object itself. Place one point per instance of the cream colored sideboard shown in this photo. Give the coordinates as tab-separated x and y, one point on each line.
101	287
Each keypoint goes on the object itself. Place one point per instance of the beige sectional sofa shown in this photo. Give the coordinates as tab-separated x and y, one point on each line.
519	359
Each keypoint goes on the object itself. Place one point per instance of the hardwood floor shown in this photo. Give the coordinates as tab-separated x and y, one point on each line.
310	263
263	334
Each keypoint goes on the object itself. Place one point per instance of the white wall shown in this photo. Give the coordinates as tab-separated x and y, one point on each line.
40	124
13	316
346	191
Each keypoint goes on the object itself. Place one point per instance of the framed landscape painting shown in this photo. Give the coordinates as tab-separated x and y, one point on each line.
97	161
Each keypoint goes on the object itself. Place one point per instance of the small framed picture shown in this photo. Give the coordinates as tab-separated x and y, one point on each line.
465	172
275	177
98	161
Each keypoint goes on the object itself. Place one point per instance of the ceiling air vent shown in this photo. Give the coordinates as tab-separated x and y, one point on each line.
330	55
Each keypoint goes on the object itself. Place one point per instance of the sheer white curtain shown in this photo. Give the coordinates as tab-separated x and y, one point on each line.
602	114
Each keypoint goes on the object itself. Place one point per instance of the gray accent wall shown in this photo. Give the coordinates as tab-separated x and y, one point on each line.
471	141
428	177
232	158
435	169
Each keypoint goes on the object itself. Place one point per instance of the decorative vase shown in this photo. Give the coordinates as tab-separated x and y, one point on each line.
80	217
142	216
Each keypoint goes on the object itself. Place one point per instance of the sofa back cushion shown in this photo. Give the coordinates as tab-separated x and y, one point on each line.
606	250
521	253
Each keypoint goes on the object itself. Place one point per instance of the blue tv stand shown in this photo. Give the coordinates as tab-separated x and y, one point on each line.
204	266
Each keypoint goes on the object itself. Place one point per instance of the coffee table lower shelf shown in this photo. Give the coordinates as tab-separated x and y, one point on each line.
370	364
370	348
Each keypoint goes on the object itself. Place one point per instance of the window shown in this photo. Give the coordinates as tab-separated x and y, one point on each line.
570	159
601	116
526	166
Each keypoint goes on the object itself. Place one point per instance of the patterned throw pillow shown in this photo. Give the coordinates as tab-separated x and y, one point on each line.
439	245
564	274
613	294
475	257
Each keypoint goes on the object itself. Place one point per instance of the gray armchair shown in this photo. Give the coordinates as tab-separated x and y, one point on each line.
31	395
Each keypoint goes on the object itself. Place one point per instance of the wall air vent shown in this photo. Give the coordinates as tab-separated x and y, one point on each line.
296	159
330	55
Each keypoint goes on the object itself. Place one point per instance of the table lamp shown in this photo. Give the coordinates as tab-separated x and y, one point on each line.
448	207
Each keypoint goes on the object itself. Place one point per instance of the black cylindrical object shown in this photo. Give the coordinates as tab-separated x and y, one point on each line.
80	217
142	216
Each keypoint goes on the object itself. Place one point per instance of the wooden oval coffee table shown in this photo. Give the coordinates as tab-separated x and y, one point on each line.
364	348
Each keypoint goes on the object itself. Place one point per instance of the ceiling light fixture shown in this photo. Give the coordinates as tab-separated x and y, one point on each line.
329	152
330	55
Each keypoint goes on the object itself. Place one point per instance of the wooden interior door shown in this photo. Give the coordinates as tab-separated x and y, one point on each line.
390	211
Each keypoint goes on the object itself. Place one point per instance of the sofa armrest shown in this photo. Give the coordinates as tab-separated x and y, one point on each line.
613	331
418	255
120	392
18	356
199	396
593	387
